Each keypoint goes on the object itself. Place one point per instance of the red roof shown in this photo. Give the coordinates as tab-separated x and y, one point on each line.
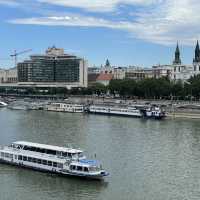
104	77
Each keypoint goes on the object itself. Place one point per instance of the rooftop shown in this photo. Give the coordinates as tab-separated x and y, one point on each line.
104	77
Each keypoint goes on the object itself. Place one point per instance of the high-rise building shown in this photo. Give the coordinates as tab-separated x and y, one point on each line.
54	69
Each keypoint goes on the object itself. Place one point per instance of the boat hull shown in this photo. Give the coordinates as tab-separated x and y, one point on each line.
60	173
115	114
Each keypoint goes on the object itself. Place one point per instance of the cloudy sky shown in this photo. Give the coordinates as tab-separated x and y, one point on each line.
127	32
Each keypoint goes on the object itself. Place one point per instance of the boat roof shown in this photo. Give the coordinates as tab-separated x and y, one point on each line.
49	147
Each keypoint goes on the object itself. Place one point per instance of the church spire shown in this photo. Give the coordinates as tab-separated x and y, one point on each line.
177	60
197	53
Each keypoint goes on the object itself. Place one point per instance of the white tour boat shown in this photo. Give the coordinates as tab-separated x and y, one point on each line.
54	159
65	107
113	110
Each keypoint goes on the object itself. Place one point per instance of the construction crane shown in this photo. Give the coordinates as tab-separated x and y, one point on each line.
16	54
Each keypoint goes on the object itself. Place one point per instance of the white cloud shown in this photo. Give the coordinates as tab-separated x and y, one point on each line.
165	23
98	5
9	2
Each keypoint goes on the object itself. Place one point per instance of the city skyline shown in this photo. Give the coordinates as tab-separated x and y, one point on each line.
140	32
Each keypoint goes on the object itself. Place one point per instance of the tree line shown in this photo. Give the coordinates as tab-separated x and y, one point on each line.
149	88
152	88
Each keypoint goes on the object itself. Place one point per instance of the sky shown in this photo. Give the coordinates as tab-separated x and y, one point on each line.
127	32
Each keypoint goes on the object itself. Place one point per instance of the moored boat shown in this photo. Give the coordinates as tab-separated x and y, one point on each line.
65	107
114	110
53	159
154	112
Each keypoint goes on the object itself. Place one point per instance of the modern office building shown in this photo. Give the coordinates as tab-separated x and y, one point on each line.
54	69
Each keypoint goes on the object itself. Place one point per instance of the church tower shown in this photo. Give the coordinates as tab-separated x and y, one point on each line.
177	60
197	53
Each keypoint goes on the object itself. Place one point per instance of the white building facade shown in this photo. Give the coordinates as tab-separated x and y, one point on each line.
8	76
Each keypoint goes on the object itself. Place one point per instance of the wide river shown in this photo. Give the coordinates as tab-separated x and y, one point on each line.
147	159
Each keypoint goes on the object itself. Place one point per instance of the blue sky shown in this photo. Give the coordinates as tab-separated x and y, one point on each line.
128	32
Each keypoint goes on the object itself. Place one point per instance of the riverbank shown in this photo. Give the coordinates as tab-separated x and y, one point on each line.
173	109
183	115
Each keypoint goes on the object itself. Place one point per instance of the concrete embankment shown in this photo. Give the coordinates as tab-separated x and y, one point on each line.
183	115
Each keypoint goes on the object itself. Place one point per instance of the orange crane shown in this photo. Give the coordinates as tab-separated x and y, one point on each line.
15	55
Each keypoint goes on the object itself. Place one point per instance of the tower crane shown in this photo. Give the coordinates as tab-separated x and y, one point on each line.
16	54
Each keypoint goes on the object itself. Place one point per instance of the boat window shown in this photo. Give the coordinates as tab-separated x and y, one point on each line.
73	167
31	148
80	154
86	169
60	165
34	160
24	158
69	155
30	159
39	161
51	152
54	164
42	151
26	148
7	155
44	162
19	157
65	154
79	168
15	157
49	163
2	154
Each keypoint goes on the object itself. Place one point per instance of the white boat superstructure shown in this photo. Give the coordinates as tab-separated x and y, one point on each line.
61	152
3	104
155	112
65	107
44	159
113	110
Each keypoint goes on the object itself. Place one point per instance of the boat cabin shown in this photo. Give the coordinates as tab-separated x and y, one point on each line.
61	152
85	166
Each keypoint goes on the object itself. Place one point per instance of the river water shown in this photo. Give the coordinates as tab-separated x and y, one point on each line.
147	159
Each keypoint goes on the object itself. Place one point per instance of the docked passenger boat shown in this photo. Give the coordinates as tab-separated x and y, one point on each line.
155	113
65	107
114	110
53	159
